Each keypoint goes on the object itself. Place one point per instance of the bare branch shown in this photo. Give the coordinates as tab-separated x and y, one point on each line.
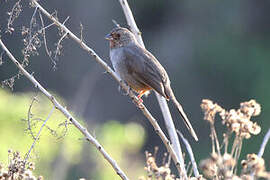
49	53
263	145
66	113
1	58
38	134
191	155
81	31
115	23
15	12
29	116
59	46
32	21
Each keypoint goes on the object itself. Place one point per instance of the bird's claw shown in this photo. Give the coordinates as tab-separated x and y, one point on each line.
138	103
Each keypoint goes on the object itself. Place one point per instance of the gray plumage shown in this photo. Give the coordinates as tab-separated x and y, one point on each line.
140	69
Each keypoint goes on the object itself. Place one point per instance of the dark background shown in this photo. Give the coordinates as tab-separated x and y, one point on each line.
217	50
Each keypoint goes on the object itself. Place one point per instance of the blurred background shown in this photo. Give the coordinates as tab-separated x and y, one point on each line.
217	50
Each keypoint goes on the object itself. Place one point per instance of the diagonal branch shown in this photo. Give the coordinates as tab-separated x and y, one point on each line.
191	155
122	84
58	106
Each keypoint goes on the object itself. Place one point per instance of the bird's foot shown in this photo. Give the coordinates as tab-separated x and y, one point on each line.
138	103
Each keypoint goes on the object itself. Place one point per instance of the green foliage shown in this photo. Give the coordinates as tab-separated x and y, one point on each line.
14	134
123	142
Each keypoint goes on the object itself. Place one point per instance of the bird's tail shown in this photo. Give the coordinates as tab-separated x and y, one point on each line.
183	115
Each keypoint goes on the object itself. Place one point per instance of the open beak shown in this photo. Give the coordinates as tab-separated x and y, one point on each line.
109	37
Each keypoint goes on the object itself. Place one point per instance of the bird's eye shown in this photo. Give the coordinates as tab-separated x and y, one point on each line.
116	36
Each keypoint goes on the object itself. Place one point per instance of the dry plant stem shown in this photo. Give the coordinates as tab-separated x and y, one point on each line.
214	134
237	155
57	52
10	21
263	145
262	148
31	24
29	114
170	127
162	101
236	150
58	106
226	142
122	84
191	155
38	134
44	35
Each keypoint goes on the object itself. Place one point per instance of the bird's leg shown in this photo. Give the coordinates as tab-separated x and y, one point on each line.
141	93
139	103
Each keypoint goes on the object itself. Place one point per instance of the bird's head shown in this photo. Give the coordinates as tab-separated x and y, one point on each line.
119	37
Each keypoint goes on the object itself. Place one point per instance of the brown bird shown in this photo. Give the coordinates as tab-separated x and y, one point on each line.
140	69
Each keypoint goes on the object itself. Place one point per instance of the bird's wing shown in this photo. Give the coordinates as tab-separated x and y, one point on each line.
145	68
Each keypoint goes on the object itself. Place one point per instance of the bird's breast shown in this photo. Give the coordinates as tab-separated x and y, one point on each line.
117	59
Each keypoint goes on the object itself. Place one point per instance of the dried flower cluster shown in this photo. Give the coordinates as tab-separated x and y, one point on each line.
210	109
237	121
254	165
17	168
34	37
217	166
163	172
154	171
223	166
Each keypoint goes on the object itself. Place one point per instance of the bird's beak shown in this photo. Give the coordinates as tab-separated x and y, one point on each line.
109	37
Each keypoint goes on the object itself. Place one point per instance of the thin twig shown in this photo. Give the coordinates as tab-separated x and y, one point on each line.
16	9
65	20
49	53
66	113
161	100
263	145
39	132
29	116
59	46
31	24
262	148
191	155
81	31
43	31
213	130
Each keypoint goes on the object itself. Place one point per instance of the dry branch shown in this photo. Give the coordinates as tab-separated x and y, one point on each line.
38	134
263	145
191	155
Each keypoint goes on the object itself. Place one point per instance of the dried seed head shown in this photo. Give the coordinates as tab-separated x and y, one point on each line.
250	108
210	109
256	165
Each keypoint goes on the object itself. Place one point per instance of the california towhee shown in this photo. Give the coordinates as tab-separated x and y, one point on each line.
140	69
